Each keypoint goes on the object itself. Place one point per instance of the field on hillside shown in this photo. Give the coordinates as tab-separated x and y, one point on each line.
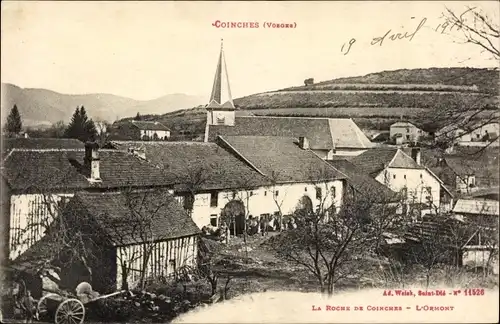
315	99
486	79
342	112
328	85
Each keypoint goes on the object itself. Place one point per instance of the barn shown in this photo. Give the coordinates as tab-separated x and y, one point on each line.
138	236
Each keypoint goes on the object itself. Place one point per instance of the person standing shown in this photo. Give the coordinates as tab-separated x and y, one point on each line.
28	305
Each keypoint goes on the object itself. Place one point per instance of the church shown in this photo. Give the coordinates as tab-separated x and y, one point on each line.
326	137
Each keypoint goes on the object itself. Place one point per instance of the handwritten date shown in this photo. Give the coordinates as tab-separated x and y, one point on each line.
391	35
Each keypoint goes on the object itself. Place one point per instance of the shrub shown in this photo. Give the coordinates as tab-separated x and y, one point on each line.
112	310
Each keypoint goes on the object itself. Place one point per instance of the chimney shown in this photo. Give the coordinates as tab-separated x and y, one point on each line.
415	155
303	143
91	162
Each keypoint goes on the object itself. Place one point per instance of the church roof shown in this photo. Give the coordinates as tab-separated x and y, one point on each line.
322	133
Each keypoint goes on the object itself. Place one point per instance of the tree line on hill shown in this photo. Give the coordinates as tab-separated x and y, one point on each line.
80	127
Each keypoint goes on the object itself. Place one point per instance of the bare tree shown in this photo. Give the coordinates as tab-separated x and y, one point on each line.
102	128
329	242
145	209
465	116
477	29
49	220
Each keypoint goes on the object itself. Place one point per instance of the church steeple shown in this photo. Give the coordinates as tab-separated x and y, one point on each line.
218	97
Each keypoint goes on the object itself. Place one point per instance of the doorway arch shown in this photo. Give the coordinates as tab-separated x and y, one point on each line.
305	204
233	214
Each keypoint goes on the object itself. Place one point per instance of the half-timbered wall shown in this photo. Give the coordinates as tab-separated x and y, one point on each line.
165	258
30	215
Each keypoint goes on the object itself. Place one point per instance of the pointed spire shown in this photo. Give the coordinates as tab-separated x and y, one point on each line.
216	97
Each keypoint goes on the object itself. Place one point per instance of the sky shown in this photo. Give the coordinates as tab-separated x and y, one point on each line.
144	50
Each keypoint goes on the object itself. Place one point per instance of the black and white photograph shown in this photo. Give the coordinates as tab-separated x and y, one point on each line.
249	162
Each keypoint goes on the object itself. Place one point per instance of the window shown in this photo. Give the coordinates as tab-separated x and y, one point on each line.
404	176
407	137
276	193
421	176
214	199
334	192
220	120
188	202
394	176
319	194
213	220
251	193
305	189
265	192
234	194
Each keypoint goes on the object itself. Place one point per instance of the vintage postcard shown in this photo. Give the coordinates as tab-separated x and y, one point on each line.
249	162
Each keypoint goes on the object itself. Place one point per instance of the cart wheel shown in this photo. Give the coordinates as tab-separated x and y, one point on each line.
70	311
41	307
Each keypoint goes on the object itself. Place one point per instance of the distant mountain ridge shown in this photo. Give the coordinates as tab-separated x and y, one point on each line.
42	106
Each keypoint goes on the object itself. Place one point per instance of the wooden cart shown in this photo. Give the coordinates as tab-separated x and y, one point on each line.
65	309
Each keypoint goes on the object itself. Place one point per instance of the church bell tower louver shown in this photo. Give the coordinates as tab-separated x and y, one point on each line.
220	108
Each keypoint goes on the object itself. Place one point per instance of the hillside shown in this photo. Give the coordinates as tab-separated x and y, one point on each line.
486	80
41	106
374	101
401	89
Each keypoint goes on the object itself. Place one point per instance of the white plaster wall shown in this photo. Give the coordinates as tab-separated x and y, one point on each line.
263	201
478	133
29	217
416	182
479	258
150	133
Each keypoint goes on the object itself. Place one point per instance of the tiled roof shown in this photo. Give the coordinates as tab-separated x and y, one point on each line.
281	159
363	183
149	125
477	207
346	134
460	166
136	217
375	160
40	144
439	230
487	192
38	256
62	169
202	165
322	133
403	160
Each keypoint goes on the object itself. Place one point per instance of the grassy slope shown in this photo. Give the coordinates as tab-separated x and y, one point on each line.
394	94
